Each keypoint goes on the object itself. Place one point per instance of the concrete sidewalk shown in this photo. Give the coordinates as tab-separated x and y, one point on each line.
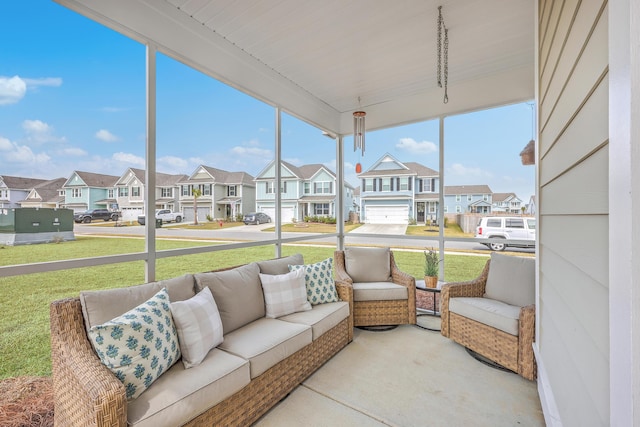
396	229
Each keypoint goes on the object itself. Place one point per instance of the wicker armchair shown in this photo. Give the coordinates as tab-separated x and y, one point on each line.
372	312
514	352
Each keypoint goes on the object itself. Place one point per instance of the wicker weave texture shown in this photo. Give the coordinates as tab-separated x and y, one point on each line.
86	393
512	352
376	313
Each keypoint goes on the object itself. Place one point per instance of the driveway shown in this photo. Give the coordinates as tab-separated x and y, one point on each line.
380	229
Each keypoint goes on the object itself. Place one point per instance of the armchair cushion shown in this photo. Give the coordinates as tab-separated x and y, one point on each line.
487	311
368	264
511	280
379	291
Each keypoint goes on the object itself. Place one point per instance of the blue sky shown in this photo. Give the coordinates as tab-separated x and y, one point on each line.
72	97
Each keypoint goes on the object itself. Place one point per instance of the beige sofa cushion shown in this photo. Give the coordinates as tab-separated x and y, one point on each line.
238	295
368	264
266	342
487	311
280	265
379	291
321	318
101	306
512	280
180	394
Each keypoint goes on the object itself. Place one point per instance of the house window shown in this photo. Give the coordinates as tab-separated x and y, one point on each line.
135	191
458	209
231	191
469	197
110	193
457	198
307	188
432	208
446	209
485	197
283	187
186	190
76	192
271	188
322	187
386	184
404	183
206	189
321	209
167	192
368	184
123	192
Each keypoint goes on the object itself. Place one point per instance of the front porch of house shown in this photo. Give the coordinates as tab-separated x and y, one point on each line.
408	376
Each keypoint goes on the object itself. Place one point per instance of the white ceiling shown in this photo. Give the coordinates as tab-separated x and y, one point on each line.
315	59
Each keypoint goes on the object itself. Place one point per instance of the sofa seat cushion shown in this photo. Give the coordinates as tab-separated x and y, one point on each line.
321	318
494	313
379	291
180	394
266	342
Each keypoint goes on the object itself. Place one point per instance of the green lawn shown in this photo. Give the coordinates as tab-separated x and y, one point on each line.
24	300
313	227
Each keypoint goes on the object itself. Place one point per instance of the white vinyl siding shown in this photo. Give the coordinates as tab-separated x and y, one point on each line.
573	157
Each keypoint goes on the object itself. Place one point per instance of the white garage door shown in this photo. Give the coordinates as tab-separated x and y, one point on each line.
287	214
202	214
387	214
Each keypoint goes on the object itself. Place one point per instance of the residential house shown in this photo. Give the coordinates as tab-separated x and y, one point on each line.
507	203
87	190
467	199
49	194
14	189
224	194
393	192
308	190
531	206
130	191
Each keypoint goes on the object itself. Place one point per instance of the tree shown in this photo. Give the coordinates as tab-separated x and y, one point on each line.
196	192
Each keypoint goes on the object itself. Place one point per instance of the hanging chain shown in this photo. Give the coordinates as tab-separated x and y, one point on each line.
446	63
440	25
443	54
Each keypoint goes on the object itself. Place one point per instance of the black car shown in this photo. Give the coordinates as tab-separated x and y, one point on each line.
256	218
93	214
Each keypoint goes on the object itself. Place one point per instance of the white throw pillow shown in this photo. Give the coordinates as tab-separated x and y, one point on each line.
284	293
139	345
199	327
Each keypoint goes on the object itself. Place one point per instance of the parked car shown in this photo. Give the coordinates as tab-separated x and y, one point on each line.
507	228
163	214
256	218
92	214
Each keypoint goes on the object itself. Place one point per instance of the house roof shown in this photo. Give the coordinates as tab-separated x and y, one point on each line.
20	183
48	191
219	176
502	197
162	179
95	179
466	189
321	61
308	171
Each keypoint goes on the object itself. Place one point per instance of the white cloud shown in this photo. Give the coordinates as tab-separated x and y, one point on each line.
73	151
12	90
15	153
43	81
461	170
252	151
128	159
39	132
106	136
173	164
412	146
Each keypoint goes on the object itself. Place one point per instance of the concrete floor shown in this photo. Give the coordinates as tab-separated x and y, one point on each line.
408	377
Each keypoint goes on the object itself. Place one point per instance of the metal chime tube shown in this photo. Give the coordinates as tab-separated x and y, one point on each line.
358	130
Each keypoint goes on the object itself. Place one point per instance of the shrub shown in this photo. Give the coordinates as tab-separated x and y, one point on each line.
209	218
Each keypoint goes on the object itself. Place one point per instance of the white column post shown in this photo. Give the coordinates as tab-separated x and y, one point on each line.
441	195
339	191
278	183
150	170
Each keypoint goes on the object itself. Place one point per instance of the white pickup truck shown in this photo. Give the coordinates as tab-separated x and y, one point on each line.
165	215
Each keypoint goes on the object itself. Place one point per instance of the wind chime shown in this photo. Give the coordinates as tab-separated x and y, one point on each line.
443	55
358	134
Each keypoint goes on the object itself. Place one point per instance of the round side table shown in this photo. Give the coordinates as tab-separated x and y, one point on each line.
434	311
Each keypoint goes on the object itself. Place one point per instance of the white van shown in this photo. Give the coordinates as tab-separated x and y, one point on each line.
507	228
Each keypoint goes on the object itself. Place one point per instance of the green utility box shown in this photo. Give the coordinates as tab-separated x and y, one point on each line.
21	226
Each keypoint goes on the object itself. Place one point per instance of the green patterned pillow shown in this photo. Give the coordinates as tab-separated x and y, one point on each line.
319	281
139	345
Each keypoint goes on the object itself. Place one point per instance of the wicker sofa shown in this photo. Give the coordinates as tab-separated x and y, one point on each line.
225	389
494	314
383	295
